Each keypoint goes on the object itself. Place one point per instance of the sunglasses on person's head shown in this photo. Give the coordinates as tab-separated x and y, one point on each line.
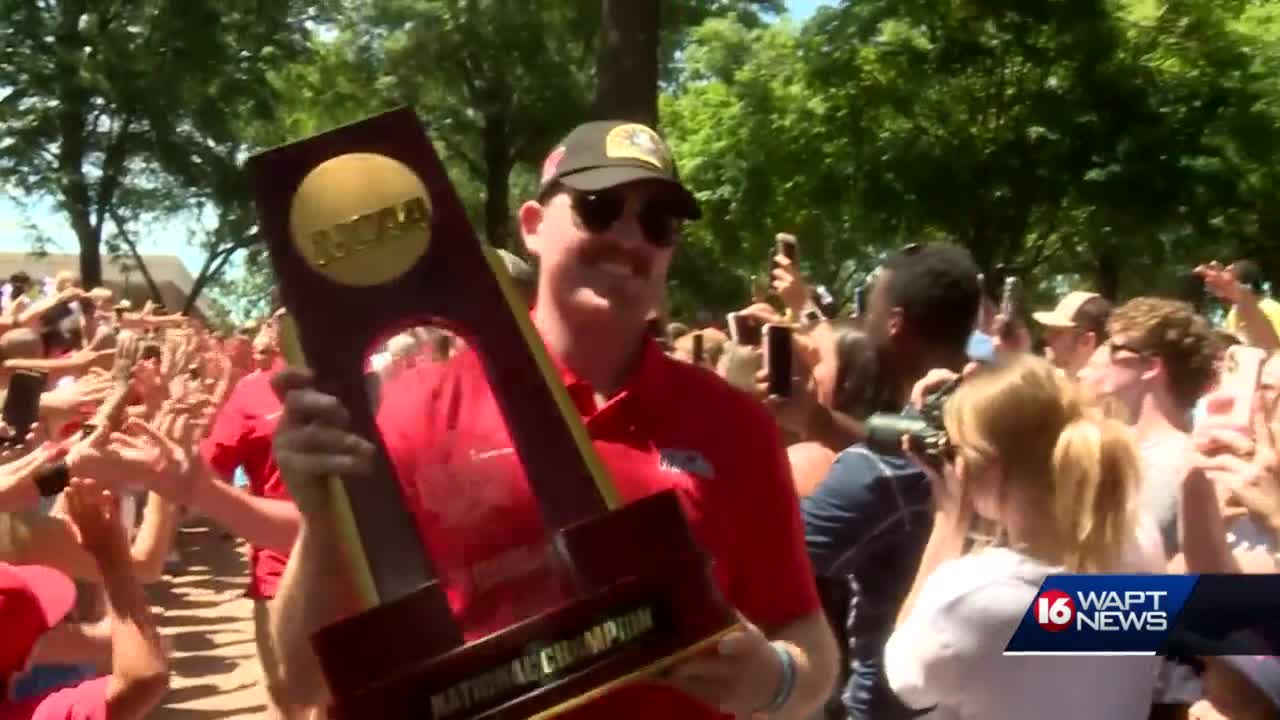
600	209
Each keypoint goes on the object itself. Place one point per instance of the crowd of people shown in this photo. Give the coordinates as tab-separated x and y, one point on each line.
875	579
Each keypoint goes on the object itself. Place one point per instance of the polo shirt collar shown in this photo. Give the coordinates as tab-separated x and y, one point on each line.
647	372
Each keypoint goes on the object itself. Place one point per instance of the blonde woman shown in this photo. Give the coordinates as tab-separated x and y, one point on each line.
1052	484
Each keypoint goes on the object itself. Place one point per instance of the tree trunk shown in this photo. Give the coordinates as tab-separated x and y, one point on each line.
627	62
90	261
497	181
1107	274
152	287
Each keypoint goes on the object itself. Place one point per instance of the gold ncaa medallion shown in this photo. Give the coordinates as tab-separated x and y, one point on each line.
361	219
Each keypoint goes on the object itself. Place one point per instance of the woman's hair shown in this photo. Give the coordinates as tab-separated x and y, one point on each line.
1076	467
857	392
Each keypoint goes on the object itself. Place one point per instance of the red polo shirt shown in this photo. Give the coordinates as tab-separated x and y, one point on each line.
241	435
672	426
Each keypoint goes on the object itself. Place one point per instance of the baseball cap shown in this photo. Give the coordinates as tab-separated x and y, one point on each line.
1067	313
606	153
33	599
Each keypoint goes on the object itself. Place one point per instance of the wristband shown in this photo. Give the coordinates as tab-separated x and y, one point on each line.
812	318
52	478
787	684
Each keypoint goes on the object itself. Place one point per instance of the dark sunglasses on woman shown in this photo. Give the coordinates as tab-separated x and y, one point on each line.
599	210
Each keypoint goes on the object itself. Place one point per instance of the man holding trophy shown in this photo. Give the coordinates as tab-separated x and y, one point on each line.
603	228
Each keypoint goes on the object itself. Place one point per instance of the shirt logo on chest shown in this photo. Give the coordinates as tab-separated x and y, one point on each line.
688	461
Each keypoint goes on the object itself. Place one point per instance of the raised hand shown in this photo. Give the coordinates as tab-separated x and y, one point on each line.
149	384
92	510
1246	471
312	443
90	389
1221	282
789	285
162	465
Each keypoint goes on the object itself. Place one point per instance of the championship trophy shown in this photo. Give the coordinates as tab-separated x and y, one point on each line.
367	237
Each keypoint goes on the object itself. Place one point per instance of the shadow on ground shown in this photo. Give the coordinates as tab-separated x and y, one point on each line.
208	623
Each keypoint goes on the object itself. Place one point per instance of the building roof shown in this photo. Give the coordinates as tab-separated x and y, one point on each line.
170	274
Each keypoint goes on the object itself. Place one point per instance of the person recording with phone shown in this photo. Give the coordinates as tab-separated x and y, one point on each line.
1253	316
1027	480
808	412
867	522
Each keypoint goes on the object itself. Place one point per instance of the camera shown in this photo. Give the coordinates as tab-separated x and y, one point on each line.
927	436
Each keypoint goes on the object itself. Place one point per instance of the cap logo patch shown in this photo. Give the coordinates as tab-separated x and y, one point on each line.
637	142
552	163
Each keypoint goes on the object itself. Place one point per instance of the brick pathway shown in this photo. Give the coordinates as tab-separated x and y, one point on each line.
206	617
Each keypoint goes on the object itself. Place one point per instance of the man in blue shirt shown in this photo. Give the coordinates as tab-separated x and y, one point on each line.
869	520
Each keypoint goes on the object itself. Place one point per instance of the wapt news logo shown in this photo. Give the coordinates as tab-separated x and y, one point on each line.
1102	614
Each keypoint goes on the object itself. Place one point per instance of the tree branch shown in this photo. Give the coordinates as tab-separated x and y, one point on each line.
213	265
112	176
152	287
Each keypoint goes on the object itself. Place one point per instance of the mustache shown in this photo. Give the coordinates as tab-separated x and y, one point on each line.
605	251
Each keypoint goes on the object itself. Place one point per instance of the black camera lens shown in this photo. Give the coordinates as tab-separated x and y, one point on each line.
885	431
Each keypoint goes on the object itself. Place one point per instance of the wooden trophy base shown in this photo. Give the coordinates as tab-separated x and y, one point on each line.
646	599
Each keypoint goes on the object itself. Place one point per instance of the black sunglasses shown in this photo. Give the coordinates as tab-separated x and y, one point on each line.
599	210
1112	346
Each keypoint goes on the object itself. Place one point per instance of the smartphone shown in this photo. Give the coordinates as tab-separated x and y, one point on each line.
744	330
56	314
1191	289
777	359
1010	299
699	349
787	246
22	402
1241	373
1009	296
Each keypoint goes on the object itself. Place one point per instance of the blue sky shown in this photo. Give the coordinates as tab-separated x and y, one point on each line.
801	9
167	238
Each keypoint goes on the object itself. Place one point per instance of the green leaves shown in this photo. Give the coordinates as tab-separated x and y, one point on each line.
1056	137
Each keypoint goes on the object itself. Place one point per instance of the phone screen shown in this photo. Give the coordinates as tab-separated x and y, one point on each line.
745	330
777	359
1191	289
788	248
1010	306
1009	296
22	402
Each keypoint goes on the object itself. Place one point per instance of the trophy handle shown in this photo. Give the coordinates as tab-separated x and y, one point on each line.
605	486
349	535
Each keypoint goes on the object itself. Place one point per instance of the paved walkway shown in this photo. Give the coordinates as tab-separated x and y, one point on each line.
206	617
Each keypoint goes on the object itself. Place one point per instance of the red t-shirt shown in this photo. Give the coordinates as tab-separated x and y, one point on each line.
241	435
673	426
86	701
